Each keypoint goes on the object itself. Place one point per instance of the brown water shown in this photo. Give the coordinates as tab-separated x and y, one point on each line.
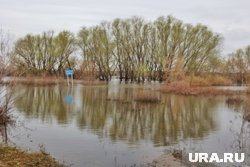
104	126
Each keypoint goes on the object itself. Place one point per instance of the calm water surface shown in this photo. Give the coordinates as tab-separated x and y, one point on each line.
104	126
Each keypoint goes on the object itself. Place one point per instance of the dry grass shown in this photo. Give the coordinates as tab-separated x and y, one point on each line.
184	88
197	81
147	97
219	81
10	157
214	80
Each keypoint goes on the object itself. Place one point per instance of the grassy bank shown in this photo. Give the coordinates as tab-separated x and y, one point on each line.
13	157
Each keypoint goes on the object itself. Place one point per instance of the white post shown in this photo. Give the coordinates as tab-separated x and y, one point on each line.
68	79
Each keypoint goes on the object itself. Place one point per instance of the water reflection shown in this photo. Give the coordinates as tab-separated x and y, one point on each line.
110	111
244	136
45	103
6	117
241	142
69	98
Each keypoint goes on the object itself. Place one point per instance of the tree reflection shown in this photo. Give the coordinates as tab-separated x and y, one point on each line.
45	103
112	112
241	143
244	142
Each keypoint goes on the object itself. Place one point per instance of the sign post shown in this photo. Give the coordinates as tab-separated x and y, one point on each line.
69	73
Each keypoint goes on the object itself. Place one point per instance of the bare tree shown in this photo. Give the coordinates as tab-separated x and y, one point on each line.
5	50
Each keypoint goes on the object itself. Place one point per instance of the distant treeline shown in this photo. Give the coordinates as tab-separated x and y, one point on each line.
133	49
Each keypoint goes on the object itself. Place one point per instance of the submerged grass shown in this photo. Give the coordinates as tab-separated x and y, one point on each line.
38	81
10	156
147	98
140	97
47	81
184	88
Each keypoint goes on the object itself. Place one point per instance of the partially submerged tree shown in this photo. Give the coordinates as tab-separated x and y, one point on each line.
132	49
140	50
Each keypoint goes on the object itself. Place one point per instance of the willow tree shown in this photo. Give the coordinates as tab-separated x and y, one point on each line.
44	53
140	50
123	51
169	33
97	50
64	49
191	44
83	42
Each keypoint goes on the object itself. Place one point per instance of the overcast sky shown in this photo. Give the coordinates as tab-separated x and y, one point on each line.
231	18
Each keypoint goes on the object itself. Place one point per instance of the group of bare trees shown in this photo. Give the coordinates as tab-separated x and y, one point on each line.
239	63
45	53
137	50
133	49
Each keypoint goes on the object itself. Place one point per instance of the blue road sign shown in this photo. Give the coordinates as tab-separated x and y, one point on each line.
69	72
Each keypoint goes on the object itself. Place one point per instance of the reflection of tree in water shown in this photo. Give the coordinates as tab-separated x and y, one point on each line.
241	142
113	113
176	117
244	135
6	118
46	103
244	141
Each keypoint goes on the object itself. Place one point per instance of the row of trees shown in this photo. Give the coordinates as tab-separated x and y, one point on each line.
132	49
137	50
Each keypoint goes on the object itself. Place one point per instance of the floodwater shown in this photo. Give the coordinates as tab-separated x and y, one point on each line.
104	125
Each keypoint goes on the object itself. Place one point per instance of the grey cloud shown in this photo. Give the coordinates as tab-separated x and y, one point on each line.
227	17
